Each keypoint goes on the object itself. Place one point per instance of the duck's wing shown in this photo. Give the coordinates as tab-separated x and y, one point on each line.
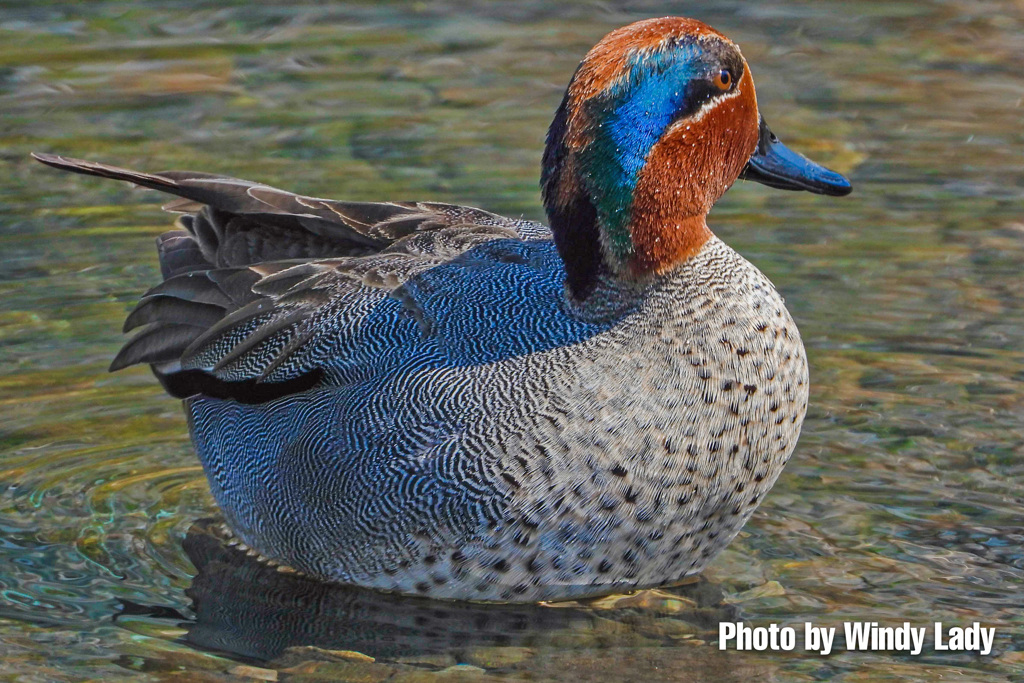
257	281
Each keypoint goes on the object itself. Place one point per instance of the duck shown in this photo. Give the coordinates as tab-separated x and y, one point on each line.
436	400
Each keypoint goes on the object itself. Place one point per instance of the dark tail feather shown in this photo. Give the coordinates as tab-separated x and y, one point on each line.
180	253
221	192
106	171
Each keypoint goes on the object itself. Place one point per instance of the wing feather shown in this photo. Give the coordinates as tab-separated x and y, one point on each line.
256	278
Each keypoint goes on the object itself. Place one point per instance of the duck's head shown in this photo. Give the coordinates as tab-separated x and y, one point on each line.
657	123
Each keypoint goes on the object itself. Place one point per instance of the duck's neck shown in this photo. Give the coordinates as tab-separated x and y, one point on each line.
615	202
657	237
661	244
650	236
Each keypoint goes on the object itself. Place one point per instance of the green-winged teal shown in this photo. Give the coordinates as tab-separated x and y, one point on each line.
437	400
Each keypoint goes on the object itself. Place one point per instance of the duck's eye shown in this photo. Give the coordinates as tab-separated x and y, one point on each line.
723	79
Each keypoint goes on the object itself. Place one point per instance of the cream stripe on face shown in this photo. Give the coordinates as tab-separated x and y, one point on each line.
704	109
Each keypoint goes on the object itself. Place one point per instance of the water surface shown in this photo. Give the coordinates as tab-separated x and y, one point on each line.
904	500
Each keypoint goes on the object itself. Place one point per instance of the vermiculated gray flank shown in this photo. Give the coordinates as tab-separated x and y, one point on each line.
517	452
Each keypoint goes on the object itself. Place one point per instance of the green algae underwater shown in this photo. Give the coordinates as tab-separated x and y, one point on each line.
904	500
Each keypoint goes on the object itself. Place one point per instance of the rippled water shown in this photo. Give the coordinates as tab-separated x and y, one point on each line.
903	502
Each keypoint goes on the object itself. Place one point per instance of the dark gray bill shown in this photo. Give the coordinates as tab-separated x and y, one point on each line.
775	165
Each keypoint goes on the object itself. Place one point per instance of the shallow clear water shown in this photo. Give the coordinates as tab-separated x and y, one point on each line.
903	502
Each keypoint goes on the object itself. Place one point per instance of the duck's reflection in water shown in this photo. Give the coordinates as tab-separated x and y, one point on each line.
251	610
